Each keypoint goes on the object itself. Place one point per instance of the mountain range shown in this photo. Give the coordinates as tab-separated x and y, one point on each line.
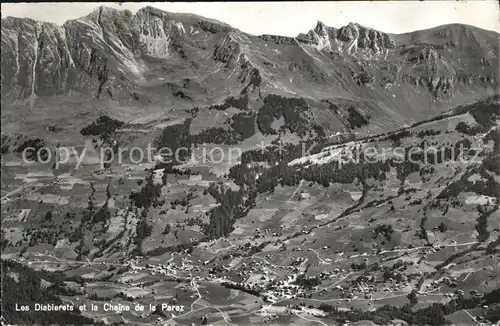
155	57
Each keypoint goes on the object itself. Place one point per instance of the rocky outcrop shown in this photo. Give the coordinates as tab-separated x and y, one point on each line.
227	50
249	75
31	49
360	37
350	39
154	32
213	28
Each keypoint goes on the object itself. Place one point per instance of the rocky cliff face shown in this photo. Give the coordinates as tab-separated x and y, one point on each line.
30	50
42	59
227	50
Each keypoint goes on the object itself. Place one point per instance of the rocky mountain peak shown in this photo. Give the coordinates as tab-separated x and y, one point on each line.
151	11
15	21
103	11
108	19
321	28
351	38
364	38
16	25
205	24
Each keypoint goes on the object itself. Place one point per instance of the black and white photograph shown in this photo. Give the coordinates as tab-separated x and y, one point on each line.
332	163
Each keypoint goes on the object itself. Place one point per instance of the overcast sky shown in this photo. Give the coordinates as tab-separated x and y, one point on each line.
291	18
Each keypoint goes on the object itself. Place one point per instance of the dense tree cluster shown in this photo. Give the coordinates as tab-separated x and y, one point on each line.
482	221
412	297
36	144
26	289
493	313
307	282
239	103
486	186
491	162
358	266
175	137
355	119
222	217
168	229
492	247
442	227
384	230
464	128
399	135
231	285
244	124
428	132
485	114
431	315
290	109
104	126
182	247
148	195
216	135
5	144
143	230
